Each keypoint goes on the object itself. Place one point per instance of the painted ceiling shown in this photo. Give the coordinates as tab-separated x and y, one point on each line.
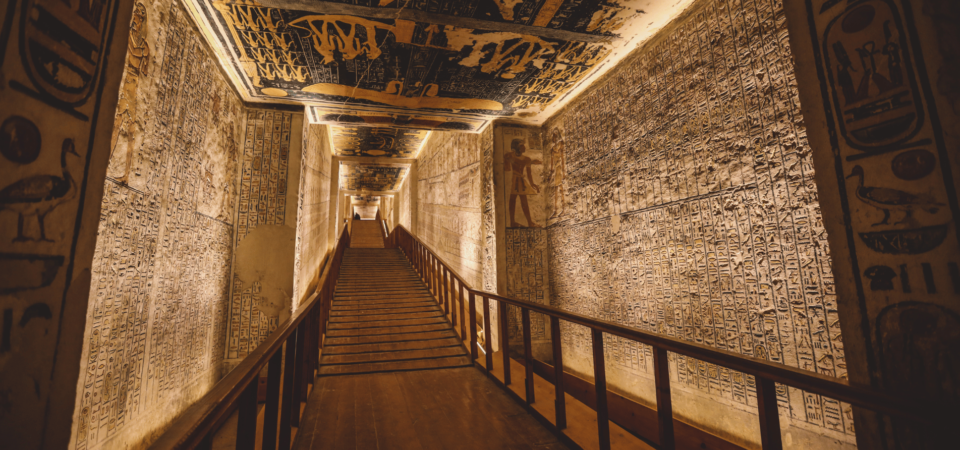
375	178
431	64
377	141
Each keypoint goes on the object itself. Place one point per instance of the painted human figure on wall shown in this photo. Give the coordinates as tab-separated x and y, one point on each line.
518	165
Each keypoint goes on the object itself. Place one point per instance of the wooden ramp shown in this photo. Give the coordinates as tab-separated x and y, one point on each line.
383	319
366	234
394	373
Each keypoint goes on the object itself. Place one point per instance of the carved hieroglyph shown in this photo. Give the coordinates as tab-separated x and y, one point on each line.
161	273
877	79
488	211
313	209
449	207
260	296
684	204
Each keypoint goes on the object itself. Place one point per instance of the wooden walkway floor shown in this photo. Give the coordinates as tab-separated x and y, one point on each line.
422	410
394	373
383	319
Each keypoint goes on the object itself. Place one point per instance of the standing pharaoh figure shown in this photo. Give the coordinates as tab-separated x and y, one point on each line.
556	172
518	164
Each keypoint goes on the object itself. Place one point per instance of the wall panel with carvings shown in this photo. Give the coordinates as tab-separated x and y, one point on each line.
680	200
449	204
156	321
314	207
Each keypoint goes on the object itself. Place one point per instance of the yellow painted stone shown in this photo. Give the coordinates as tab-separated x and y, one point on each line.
274	92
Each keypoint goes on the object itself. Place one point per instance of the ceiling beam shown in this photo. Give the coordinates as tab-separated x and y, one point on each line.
355	192
374	160
322	7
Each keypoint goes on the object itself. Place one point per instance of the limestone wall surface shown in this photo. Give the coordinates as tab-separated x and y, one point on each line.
449	203
314	209
262	293
406	200
156	322
878	83
55	143
680	199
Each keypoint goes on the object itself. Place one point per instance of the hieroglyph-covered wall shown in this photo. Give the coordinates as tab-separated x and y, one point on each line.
263	268
57	105
449	204
878	80
524	239
314	207
681	200
156	321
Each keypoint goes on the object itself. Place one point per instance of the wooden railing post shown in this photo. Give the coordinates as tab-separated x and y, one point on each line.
770	438
473	325
247	420
504	340
289	364
487	335
527	354
560	404
463	317
297	376
661	370
445	293
272	408
436	280
453	301
600	381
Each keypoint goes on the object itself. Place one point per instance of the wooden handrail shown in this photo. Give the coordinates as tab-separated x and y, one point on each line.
766	373
196	426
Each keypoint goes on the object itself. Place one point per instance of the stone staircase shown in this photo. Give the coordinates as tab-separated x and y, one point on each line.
366	234
383	319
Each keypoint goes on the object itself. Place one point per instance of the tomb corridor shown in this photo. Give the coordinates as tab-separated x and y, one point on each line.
479	224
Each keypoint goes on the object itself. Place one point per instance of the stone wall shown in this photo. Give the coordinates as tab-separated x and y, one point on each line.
55	142
519	164
314	209
681	200
406	199
263	268
878	82
449	203
161	275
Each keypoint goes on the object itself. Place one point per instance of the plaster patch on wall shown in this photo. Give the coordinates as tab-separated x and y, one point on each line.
265	288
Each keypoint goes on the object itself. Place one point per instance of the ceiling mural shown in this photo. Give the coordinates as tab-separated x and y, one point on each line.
369	177
466	60
323	115
377	141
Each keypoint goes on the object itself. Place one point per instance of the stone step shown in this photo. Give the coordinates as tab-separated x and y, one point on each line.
366	318
361	327
383	338
401	346
375	357
389	330
398	366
